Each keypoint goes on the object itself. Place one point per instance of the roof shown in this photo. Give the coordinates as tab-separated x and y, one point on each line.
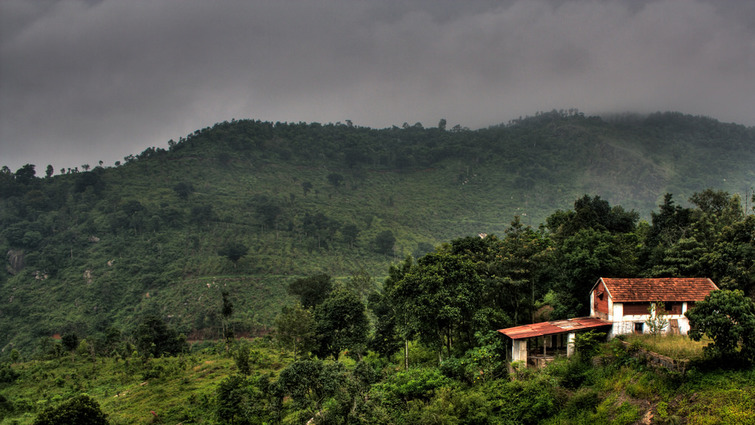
554	327
658	289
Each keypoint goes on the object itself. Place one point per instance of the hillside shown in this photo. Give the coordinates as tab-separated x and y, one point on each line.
98	247
207	387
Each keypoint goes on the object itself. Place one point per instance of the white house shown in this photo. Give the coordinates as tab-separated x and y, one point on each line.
617	306
626	301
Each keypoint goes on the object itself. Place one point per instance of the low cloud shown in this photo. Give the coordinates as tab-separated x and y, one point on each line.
83	81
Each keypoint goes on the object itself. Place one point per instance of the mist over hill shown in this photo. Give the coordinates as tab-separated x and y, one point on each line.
247	206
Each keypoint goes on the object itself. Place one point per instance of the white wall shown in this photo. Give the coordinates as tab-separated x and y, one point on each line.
625	324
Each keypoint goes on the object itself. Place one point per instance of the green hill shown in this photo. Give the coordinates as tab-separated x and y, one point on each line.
96	248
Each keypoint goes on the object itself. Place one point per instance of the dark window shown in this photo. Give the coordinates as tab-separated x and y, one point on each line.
639	327
636	308
673	307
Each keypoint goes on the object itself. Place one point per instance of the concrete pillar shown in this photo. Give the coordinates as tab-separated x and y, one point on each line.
570	344
519	350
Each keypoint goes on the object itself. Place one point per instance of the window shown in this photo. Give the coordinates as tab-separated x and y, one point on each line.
631	309
673	307
639	327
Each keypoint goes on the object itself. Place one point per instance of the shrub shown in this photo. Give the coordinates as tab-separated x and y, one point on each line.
728	318
413	384
80	410
7	374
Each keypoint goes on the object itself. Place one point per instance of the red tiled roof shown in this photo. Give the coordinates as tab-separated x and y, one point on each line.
554	327
658	289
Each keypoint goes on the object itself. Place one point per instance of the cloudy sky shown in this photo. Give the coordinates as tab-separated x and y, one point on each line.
89	80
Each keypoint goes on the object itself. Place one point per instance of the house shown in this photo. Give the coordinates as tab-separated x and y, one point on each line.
626	302
617	306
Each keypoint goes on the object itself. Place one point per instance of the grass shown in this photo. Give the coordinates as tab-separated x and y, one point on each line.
678	347
177	389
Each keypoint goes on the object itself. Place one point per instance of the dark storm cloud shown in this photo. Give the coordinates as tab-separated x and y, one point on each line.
82	81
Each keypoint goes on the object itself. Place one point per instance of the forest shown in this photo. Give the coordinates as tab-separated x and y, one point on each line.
281	273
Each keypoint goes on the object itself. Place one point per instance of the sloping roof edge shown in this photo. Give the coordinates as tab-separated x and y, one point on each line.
657	289
554	327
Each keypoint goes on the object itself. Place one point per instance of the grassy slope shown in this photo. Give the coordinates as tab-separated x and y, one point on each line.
183	390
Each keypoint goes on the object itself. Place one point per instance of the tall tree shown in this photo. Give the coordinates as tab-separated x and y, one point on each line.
384	242
295	329
440	295
154	337
520	263
311	290
234	251
226	310
728	318
341	324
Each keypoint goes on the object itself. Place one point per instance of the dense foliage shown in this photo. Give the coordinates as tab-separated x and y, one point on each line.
728	318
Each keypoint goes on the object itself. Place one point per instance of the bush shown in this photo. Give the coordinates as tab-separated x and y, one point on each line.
80	410
584	400
572	373
7	374
239	401
413	384
728	318
526	402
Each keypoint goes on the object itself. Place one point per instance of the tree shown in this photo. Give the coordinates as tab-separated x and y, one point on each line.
267	211
728	318
183	190
243	358
361	283
306	187
80	410
579	260
384	242
341	324
154	337
310	383
335	179
90	179
592	213
233	251
202	214
240	401
320	226
311	290
295	329
226	311
350	232
25	174
393	322
515	272
70	341
440	296
657	320
49	171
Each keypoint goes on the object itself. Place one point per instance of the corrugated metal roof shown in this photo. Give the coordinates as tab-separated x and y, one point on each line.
554	327
658	289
